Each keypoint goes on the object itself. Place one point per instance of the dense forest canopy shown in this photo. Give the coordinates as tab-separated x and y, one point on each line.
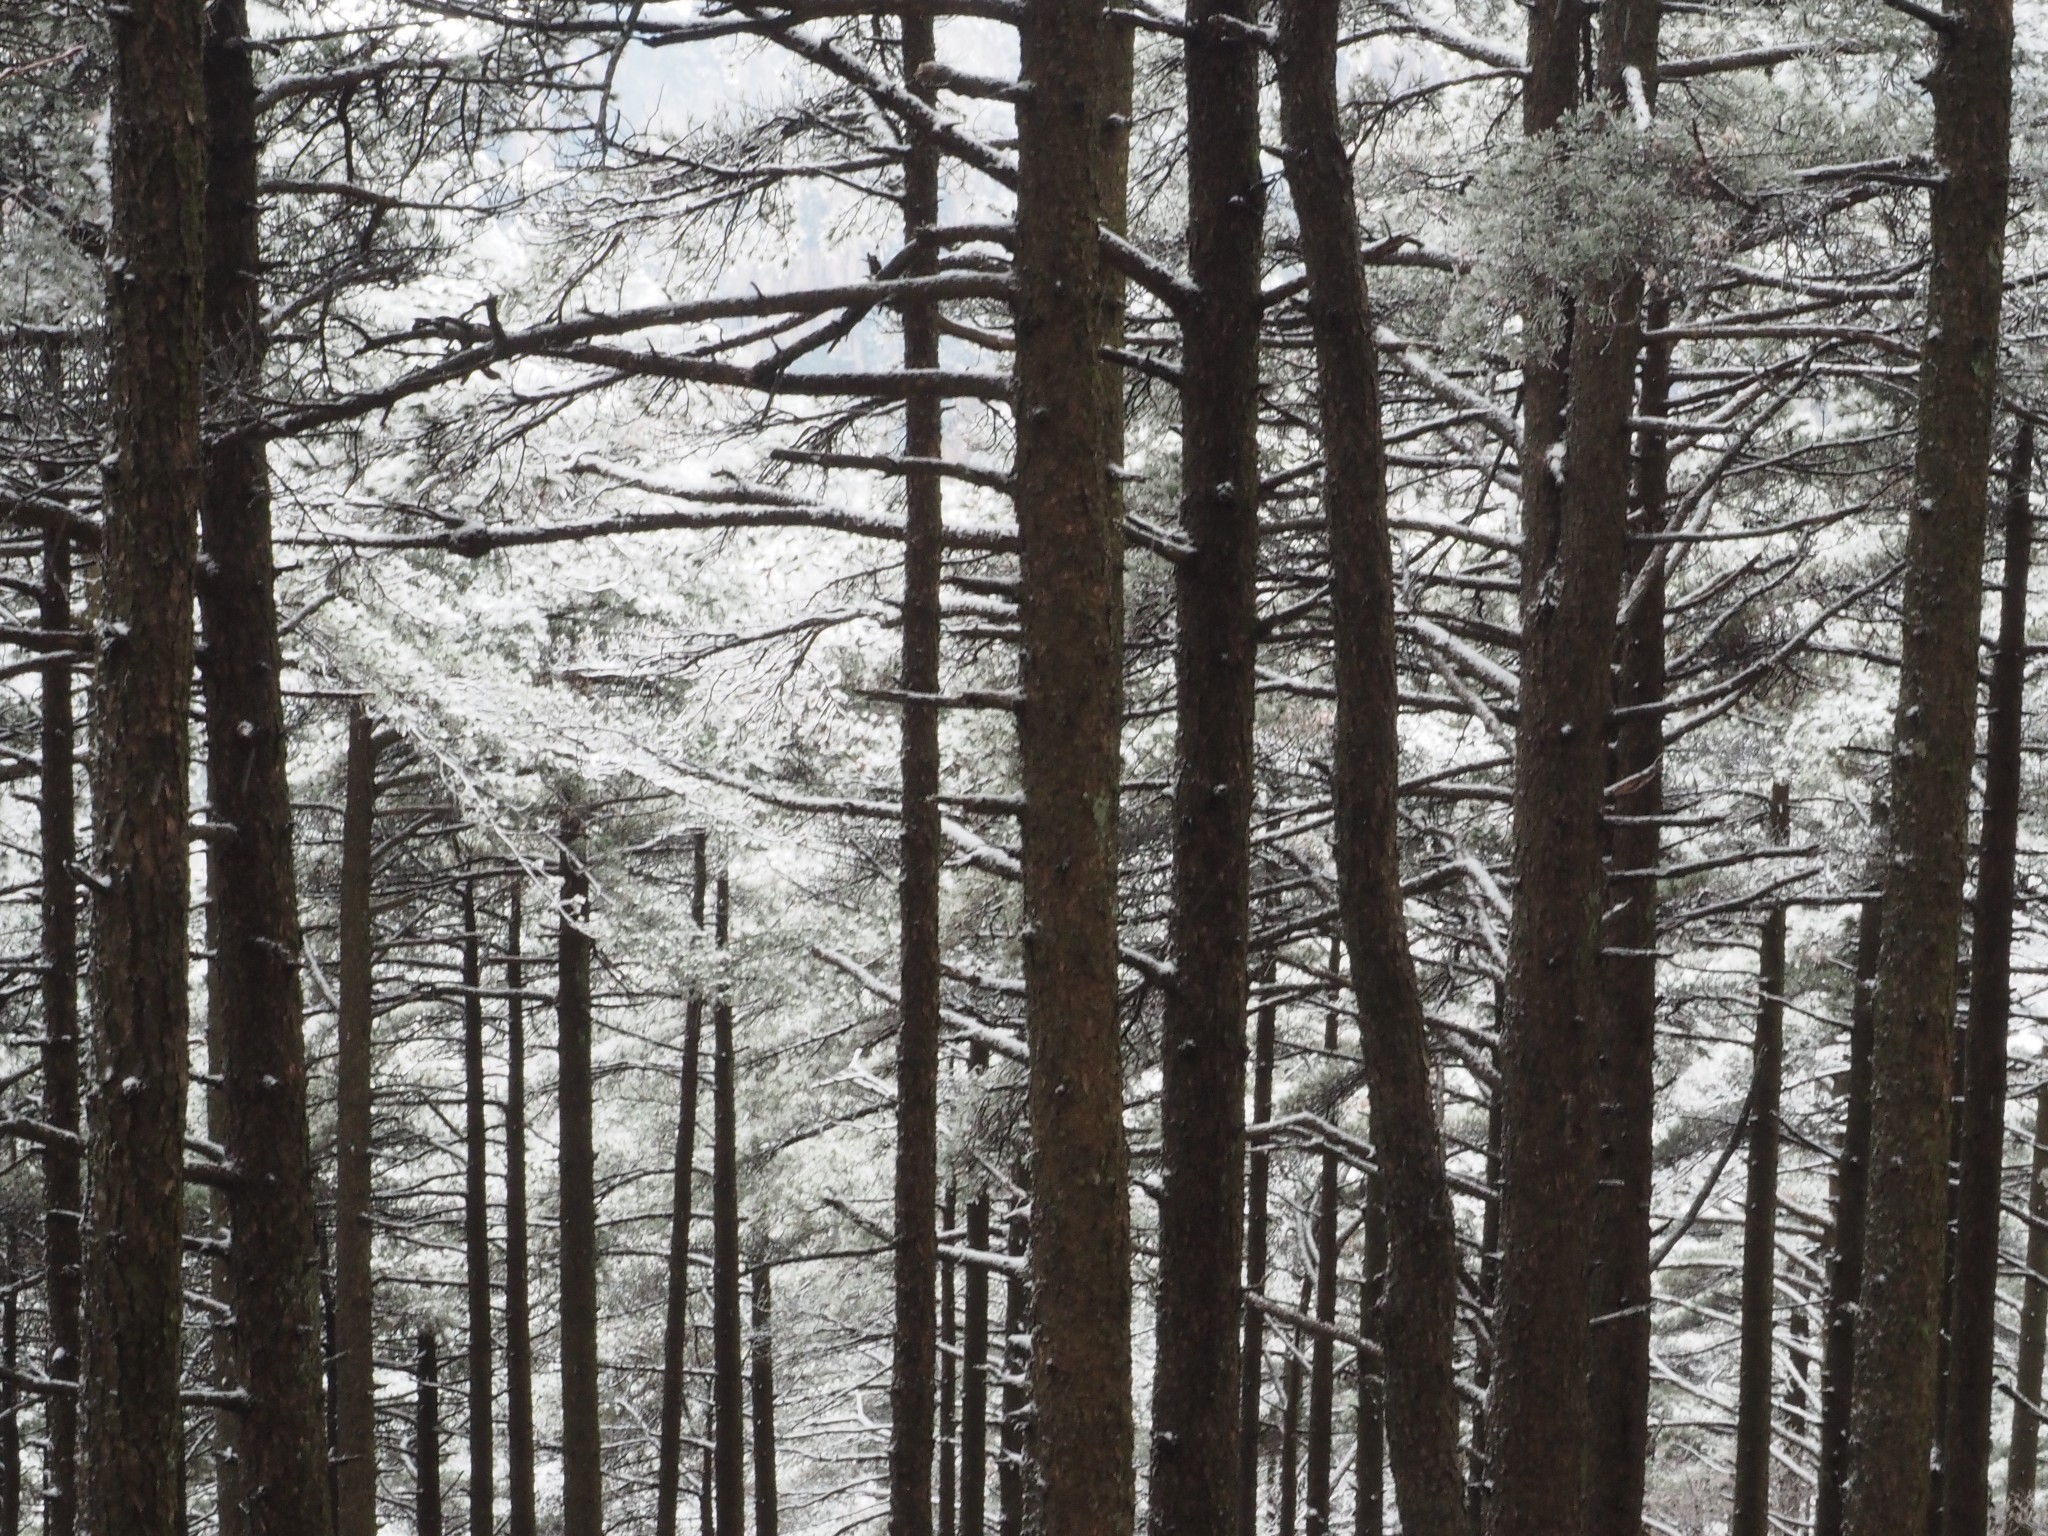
1021	765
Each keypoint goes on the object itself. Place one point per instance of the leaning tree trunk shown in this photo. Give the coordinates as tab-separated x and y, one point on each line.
274	1258
2023	1460
355	1378
1420	1299
1753	1399
1845	1272
1069	751
917	1034
518	1326
1201	1108
1933	748
476	1222
727	1380
1618	1380
675	1330
761	1387
1973	1315
129	1482
582	1449
63	1186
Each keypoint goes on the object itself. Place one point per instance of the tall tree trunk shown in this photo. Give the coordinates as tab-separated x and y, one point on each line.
133	1292
1422	1278
974	1404
1290	1423
1257	1176
1934	746
1370	1512
1845	1272
230	1499
2023	1459
917	1035
1201	1114
1618	1381
273	1260
727	1381
582	1448
10	1395
1973	1317
1016	1369
949	1386
1069	750
354	1322
1476	1498
761	1382
1753	1398
476	1223
1322	1376
426	1438
63	1187
675	1331
518	1326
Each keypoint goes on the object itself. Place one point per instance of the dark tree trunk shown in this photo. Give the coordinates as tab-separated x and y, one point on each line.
1973	1315
1892	1420
355	1425
426	1439
1618	1382
582	1448
1370	1512
1201	1202
1476	1498
1069	752
706	1478
518	1326
1290	1423
1845	1272
230	1500
151	472
1257	1176
1016	1370
2023	1459
1753	1399
273	1260
917	1036
10	1396
728	1382
476	1223
676	1326
949	1387
1322	1376
974	1405
761	1382
1421	1293
63	1188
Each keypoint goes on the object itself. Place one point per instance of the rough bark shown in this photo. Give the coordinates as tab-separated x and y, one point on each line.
426	1437
1753	1402
761	1385
917	1036
354	1323
1845	1272
63	1185
1618	1379
1201	1111
1069	752
1933	747
675	1330
133	1298
728	1382
2023	1459
1973	1314
1421	1292
476	1223
582	1447
518	1326
1257	1177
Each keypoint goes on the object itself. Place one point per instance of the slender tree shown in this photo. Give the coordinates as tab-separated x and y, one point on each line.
761	1387
675	1330
974	1364
727	1379
582	1449
949	1383
1422	1276
1257	1176
1753	1398
1934	746
355	1448
518	1326
131	1456
1322	1376
1370	1466
476	1223
1016	1369
426	1437
1973	1315
2023	1458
